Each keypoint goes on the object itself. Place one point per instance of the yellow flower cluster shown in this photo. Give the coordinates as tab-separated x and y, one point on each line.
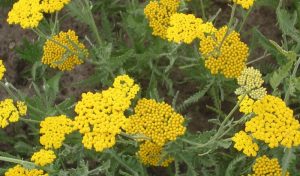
151	154
246	105
266	166
50	6
54	129
64	51
11	113
245	142
250	82
2	69
246	4
186	27
43	157
29	13
274	123
101	115
157	121
158	13
224	56
21	171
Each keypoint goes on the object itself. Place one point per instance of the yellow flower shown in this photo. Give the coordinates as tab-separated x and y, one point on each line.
274	123
157	121
100	116
250	82
158	13
54	129
50	6
21	171
185	28
27	13
64	51
2	69
152	154
224	56
43	157
9	112
22	108
246	4
246	106
266	166
244	142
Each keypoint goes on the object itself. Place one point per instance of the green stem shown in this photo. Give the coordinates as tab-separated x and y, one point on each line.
93	24
29	120
202	10
245	18
135	137
258	59
16	161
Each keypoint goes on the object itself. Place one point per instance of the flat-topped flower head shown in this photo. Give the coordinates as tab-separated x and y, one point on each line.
244	142
100	116
43	157
246	4
9	112
2	69
64	51
266	166
250	82
54	129
26	13
226	56
157	121
151	154
186	27
158	14
18	170
50	6
274	123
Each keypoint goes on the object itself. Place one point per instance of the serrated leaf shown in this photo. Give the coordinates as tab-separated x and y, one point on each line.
278	76
234	165
290	55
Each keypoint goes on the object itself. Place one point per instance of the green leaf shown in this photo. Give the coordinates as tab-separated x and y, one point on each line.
278	76
268	46
290	55
287	23
233	165
53	83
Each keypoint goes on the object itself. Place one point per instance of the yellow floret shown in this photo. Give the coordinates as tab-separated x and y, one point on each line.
43	157
2	69
10	113
246	4
64	51
53	131
246	105
274	123
185	28
224	56
250	82
158	14
244	142
50	6
157	121
266	166
100	116
22	108
27	13
151	154
21	171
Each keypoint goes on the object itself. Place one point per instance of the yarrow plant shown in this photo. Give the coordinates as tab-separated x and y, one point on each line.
156	87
